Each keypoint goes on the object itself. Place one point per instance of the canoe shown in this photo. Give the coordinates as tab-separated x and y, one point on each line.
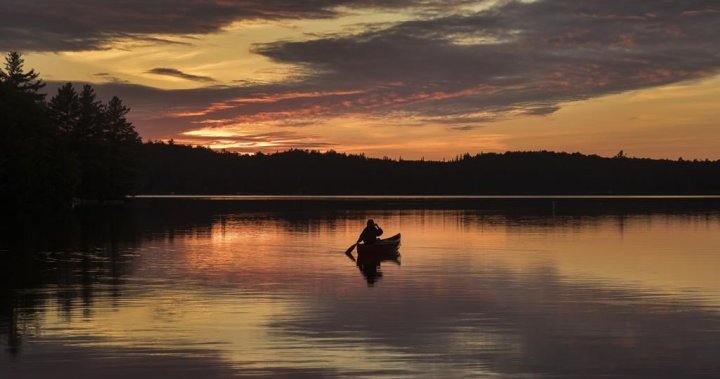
382	246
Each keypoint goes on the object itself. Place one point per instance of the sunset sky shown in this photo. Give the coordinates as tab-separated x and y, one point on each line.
410	78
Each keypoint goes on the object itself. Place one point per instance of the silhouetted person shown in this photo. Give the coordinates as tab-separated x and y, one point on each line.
371	233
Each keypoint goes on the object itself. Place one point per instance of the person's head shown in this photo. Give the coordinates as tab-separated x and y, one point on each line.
370	222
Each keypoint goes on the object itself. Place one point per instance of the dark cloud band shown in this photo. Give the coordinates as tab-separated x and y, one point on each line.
516	57
179	74
53	25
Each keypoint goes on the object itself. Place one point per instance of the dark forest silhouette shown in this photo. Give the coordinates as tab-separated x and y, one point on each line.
72	146
182	169
77	147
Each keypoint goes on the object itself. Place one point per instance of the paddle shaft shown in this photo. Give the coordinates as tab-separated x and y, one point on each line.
350	249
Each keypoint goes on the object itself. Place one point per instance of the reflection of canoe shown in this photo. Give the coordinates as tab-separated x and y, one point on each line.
387	245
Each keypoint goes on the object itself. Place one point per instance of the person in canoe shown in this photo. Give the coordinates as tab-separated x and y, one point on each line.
371	233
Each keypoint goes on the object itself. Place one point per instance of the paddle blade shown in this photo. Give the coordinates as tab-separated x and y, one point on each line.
350	249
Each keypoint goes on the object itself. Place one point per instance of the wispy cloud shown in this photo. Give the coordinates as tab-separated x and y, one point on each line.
461	69
531	54
91	24
179	74
248	142
109	77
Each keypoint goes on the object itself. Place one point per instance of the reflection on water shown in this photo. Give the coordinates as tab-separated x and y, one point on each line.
369	264
219	289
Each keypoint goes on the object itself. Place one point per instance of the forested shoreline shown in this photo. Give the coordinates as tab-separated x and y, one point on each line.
178	169
73	146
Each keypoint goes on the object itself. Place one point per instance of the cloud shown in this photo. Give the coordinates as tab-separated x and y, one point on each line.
94	24
179	74
242	141
465	128
109	77
515	58
541	110
517	54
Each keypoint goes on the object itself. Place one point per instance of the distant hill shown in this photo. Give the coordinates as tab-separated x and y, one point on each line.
178	169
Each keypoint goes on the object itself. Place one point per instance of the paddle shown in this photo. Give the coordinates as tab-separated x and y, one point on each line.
350	249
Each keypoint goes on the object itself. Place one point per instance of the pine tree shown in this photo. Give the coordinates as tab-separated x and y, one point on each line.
65	109
121	142
72	146
36	169
117	128
90	118
15	76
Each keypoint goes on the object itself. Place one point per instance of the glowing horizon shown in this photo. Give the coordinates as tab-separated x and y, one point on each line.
417	79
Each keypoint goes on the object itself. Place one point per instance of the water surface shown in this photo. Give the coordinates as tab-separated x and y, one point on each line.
224	288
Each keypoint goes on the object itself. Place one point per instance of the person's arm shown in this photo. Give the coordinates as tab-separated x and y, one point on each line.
379	230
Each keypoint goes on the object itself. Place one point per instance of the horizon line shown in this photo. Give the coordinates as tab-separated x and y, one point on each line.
399	158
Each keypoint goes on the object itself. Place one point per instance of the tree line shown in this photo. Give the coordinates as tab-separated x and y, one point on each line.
178	169
72	146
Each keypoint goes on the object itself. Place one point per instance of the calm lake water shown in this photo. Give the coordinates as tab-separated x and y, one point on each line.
521	288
